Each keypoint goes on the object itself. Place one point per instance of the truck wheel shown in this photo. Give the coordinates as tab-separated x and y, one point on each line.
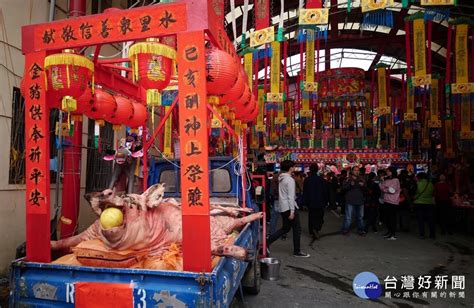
252	280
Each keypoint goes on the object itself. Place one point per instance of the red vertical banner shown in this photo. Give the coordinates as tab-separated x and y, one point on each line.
193	124
37	160
262	14
314	4
218	6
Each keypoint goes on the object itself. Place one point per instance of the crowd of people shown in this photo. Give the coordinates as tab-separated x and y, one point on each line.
384	199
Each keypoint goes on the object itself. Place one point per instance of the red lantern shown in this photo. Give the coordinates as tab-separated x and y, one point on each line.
152	65
85	102
68	77
103	106
122	114
250	110
221	71
232	96
139	116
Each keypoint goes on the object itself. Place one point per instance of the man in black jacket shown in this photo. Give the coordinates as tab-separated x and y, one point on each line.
315	196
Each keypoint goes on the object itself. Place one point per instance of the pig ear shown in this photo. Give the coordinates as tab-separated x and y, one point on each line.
154	195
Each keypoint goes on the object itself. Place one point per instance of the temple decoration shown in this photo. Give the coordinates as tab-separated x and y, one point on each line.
152	66
67	78
376	14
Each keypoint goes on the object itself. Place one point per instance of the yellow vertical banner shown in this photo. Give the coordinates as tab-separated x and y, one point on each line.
434	121
309	72
425	141
248	65
462	76
410	115
281	106
465	114
382	90
448	138
168	134
309	55
419	46
275	66
238	131
261	107
461	54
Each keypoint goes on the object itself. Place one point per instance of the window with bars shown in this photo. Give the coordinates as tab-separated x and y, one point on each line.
16	174
98	171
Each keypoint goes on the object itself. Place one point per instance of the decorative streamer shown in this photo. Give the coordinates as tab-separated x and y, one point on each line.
410	114
448	138
375	13
434	121
218	6
262	14
167	150
248	66
261	106
462	86
382	108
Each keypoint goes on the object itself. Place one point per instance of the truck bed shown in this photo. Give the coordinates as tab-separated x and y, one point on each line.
49	285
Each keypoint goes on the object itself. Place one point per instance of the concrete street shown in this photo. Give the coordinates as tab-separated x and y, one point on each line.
325	279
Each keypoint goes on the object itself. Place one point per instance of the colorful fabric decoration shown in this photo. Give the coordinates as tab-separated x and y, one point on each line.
376	14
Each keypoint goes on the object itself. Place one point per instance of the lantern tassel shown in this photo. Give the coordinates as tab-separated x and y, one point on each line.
67	77
69	104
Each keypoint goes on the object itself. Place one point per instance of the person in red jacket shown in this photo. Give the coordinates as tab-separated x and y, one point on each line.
442	195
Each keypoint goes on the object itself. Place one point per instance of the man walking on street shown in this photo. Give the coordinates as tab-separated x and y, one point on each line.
315	196
354	187
288	209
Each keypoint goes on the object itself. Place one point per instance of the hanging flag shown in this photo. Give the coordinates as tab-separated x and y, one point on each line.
375	13
168	135
248	66
275	65
262	14
462	79
410	115
382	109
313	17
419	51
260	128
306	112
448	138
218	6
434	121
264	33
280	119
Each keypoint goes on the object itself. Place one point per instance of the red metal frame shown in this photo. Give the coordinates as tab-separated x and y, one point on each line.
192	24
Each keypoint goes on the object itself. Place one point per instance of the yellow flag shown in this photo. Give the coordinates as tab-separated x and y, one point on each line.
248	64
168	134
419	46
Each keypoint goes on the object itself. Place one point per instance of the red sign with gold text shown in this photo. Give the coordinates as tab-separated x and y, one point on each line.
193	131
115	26
36	136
